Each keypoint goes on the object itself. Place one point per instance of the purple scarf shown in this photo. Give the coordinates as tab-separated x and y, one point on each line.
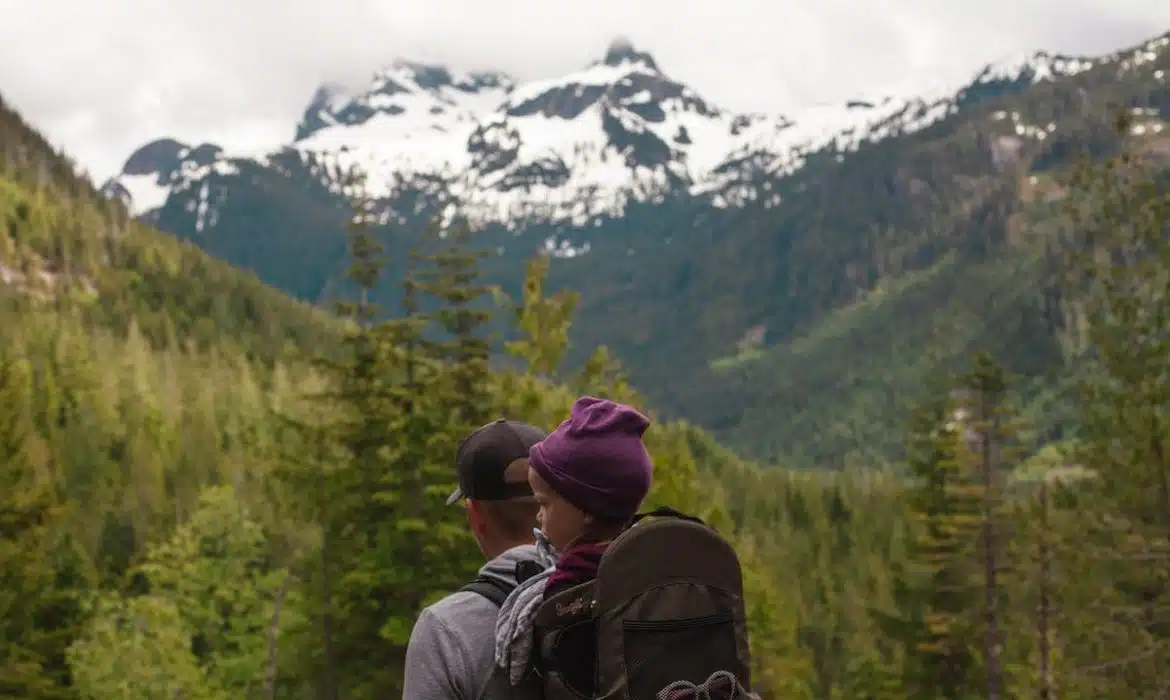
576	565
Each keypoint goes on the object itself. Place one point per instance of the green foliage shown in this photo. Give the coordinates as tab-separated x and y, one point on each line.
36	607
242	523
137	648
1117	258
935	590
214	570
543	321
453	281
63	248
851	266
206	624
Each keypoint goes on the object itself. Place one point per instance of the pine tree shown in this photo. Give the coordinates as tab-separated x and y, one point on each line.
202	628
991	436
393	576
311	475
405	334
542	321
1041	611
416	397
35	611
604	376
936	589
1045	686
342	496
454	282
541	324
367	256
1117	256
871	677
398	400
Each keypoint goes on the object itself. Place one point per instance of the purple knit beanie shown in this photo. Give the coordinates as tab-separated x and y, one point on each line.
596	460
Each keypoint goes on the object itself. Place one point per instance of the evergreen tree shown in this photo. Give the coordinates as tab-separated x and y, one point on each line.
542	327
418	549
872	677
35	611
453	281
936	590
1045	686
990	432
440	393
354	398
367	255
1117	257
1042	674
543	322
204	627
137	647
398	402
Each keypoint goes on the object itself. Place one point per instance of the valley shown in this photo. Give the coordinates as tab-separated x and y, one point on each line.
684	226
908	357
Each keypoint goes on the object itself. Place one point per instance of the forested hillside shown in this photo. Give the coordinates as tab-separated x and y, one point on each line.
928	246
213	492
815	248
158	423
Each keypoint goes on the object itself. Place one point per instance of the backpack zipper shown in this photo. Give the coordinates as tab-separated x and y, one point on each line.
684	623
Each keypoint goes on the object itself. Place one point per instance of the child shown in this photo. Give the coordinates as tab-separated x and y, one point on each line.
589	477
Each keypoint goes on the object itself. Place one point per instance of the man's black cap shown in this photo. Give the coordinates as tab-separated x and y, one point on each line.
486	454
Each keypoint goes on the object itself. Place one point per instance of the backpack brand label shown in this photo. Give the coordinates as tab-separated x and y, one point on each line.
575	607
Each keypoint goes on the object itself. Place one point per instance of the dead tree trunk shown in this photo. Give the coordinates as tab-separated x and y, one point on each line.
1043	622
273	635
989	434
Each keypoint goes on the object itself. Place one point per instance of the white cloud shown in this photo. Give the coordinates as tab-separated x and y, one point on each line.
101	78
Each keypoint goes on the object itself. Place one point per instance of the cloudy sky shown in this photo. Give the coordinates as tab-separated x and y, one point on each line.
102	77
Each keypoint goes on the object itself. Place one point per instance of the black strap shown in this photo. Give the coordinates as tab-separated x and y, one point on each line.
493	589
526	569
497	591
667	512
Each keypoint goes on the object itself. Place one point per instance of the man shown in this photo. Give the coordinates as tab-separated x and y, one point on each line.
451	651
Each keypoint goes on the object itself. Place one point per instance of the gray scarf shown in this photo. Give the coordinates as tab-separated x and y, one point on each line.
514	631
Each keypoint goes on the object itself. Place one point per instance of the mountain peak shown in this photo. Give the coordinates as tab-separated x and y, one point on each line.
160	154
582	145
430	93
428	76
436	76
621	51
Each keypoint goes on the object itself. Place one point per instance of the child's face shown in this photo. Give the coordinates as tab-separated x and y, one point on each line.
560	521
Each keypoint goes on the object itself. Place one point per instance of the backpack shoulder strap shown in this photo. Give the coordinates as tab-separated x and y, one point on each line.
667	512
494	590
497	591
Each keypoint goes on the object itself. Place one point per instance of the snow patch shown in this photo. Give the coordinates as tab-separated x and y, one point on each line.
145	191
582	147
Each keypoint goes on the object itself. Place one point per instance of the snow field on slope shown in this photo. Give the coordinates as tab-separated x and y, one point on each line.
425	145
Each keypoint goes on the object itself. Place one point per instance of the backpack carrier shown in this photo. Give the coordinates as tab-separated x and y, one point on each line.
664	619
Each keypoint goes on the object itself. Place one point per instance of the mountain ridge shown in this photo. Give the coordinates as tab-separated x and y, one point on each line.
679	280
563	149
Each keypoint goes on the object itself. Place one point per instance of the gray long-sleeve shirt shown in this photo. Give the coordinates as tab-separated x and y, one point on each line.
451	654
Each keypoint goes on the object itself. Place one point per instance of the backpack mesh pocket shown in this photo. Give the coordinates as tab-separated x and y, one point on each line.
658	653
574	658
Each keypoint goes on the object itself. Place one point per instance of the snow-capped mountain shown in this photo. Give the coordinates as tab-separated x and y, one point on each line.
565	150
684	226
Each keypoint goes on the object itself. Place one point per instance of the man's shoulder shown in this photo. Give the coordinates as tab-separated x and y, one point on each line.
465	613
460	629
451	649
457	600
460	609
